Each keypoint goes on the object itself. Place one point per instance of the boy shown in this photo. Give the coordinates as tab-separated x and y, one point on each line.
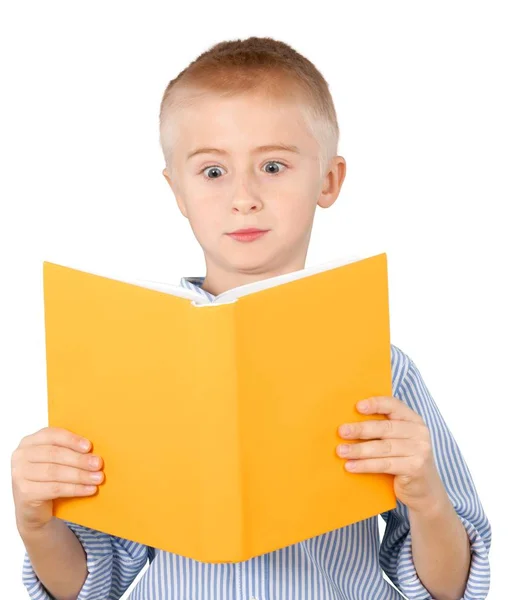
249	135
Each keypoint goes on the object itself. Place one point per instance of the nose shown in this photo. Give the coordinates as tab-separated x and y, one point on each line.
245	202
246	205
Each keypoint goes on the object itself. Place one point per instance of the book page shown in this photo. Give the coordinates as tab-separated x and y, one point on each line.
169	288
233	294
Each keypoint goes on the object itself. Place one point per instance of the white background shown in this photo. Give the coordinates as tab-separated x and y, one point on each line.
421	91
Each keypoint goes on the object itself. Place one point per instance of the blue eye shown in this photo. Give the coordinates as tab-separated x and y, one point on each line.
216	167
274	162
213	167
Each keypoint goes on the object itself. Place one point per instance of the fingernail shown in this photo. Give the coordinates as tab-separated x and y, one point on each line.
363	406
84	444
94	461
344	449
96	476
345	430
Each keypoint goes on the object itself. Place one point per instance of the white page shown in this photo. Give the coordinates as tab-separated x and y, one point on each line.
159	286
233	294
169	288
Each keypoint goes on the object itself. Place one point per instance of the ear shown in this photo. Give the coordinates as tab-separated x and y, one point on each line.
332	182
173	186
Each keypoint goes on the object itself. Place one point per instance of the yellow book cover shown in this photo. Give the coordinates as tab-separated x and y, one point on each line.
217	422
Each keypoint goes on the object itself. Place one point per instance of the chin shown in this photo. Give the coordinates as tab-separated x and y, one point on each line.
251	263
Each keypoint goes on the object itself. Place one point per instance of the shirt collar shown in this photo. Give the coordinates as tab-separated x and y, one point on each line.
195	284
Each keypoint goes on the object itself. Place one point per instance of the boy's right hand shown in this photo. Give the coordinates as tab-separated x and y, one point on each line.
50	464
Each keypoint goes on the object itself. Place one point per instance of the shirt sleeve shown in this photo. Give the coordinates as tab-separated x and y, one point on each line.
395	554
112	563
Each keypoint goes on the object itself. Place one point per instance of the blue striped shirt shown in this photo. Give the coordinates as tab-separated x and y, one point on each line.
345	564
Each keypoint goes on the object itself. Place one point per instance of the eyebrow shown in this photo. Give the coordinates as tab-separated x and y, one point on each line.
267	148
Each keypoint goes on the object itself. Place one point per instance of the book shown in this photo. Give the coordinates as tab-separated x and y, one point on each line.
218	421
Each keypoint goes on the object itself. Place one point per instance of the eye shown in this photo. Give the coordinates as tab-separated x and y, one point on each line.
215	168
275	162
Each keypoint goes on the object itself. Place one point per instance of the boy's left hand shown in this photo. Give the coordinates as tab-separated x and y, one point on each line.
401	446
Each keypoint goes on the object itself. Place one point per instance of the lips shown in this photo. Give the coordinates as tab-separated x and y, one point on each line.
247	235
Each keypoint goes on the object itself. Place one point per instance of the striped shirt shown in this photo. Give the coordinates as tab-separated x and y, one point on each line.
344	564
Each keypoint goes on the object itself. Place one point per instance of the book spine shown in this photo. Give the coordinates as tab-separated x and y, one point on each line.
216	379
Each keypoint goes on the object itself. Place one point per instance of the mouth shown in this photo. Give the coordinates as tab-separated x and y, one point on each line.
247	235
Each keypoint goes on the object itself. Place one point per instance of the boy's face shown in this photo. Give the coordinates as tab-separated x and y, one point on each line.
272	189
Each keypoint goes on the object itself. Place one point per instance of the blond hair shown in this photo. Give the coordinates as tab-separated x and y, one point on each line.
256	64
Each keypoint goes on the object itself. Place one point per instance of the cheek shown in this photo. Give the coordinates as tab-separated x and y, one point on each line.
294	213
205	218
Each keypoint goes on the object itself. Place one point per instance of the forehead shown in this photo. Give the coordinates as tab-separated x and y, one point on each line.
252	118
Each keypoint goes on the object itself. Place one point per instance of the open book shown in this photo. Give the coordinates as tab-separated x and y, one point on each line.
218	427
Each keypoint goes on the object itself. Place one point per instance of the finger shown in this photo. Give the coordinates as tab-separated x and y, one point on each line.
53	490
377	449
45	472
392	466
56	436
63	456
391	406
383	428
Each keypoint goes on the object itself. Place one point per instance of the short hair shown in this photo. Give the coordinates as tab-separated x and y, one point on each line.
255	64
